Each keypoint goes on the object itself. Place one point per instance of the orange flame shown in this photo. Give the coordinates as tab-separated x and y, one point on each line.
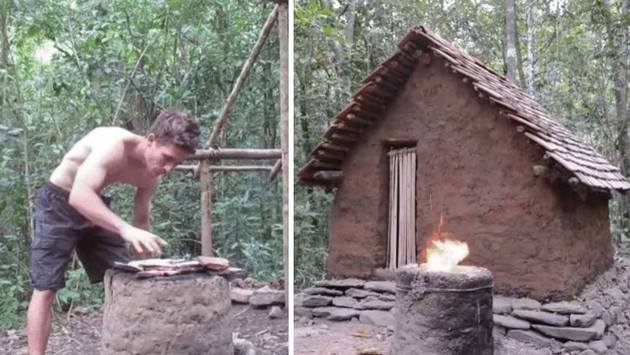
444	253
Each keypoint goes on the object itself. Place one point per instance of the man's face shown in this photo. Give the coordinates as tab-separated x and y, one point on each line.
161	158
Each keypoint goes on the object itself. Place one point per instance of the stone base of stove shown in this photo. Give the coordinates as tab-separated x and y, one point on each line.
371	302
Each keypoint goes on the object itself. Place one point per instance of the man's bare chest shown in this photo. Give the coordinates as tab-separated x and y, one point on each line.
134	176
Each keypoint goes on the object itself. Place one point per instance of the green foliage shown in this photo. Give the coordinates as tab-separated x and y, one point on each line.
114	64
13	284
311	236
79	292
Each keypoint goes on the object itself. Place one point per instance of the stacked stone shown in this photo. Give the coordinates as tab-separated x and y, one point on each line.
578	327
255	293
372	302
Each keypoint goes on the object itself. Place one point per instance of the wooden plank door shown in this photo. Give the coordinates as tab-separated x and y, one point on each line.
401	246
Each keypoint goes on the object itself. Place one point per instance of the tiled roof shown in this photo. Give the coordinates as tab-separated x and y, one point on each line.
371	100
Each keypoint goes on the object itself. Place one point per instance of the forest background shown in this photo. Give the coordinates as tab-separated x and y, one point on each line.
573	57
69	66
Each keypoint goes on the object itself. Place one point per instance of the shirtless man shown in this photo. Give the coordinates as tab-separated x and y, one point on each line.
71	214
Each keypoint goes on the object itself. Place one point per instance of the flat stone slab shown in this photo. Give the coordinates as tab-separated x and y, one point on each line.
344	301
316	301
528	336
379	318
303	312
372	303
340	283
525	303
498	331
510	322
574	346
564	308
380	286
266	296
322	291
542	317
387	297
596	331
582	320
501	305
360	293
336	313
297	299
240	295
598	346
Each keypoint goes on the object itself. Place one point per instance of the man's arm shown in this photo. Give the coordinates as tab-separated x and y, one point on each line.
84	197
89	181
142	207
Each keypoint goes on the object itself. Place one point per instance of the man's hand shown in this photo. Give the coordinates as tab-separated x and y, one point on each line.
142	240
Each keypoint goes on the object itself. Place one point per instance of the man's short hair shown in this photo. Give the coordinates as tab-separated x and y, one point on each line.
176	127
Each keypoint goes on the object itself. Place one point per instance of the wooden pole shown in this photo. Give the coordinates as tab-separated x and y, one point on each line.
414	176
206	208
283	33
227	168
395	231
220	122
391	246
236	154
275	170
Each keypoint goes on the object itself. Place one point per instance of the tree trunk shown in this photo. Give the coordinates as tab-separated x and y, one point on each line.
616	46
4	51
219	123
619	46
510	40
531	45
346	73
206	208
283	34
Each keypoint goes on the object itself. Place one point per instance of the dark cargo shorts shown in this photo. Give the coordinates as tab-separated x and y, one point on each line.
58	230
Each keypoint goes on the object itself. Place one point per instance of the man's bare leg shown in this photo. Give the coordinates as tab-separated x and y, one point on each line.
38	321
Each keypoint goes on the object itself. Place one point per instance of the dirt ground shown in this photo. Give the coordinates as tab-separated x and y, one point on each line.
339	338
349	338
80	333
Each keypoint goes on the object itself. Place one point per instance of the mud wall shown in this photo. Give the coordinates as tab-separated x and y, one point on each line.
475	169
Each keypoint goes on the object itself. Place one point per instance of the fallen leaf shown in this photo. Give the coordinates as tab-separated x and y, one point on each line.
361	333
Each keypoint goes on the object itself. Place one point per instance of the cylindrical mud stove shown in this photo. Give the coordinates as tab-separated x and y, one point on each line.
182	314
443	313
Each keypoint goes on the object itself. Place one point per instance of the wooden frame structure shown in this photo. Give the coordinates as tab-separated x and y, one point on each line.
204	169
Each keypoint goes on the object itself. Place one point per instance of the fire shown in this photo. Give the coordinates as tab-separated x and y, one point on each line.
445	253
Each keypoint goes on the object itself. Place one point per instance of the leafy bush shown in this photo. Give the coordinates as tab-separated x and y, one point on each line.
114	64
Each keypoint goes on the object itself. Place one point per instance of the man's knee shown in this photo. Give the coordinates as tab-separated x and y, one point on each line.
43	296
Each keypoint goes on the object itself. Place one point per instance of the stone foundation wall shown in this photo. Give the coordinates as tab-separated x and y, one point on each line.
596	321
371	302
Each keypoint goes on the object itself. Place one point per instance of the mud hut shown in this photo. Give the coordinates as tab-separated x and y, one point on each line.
433	133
